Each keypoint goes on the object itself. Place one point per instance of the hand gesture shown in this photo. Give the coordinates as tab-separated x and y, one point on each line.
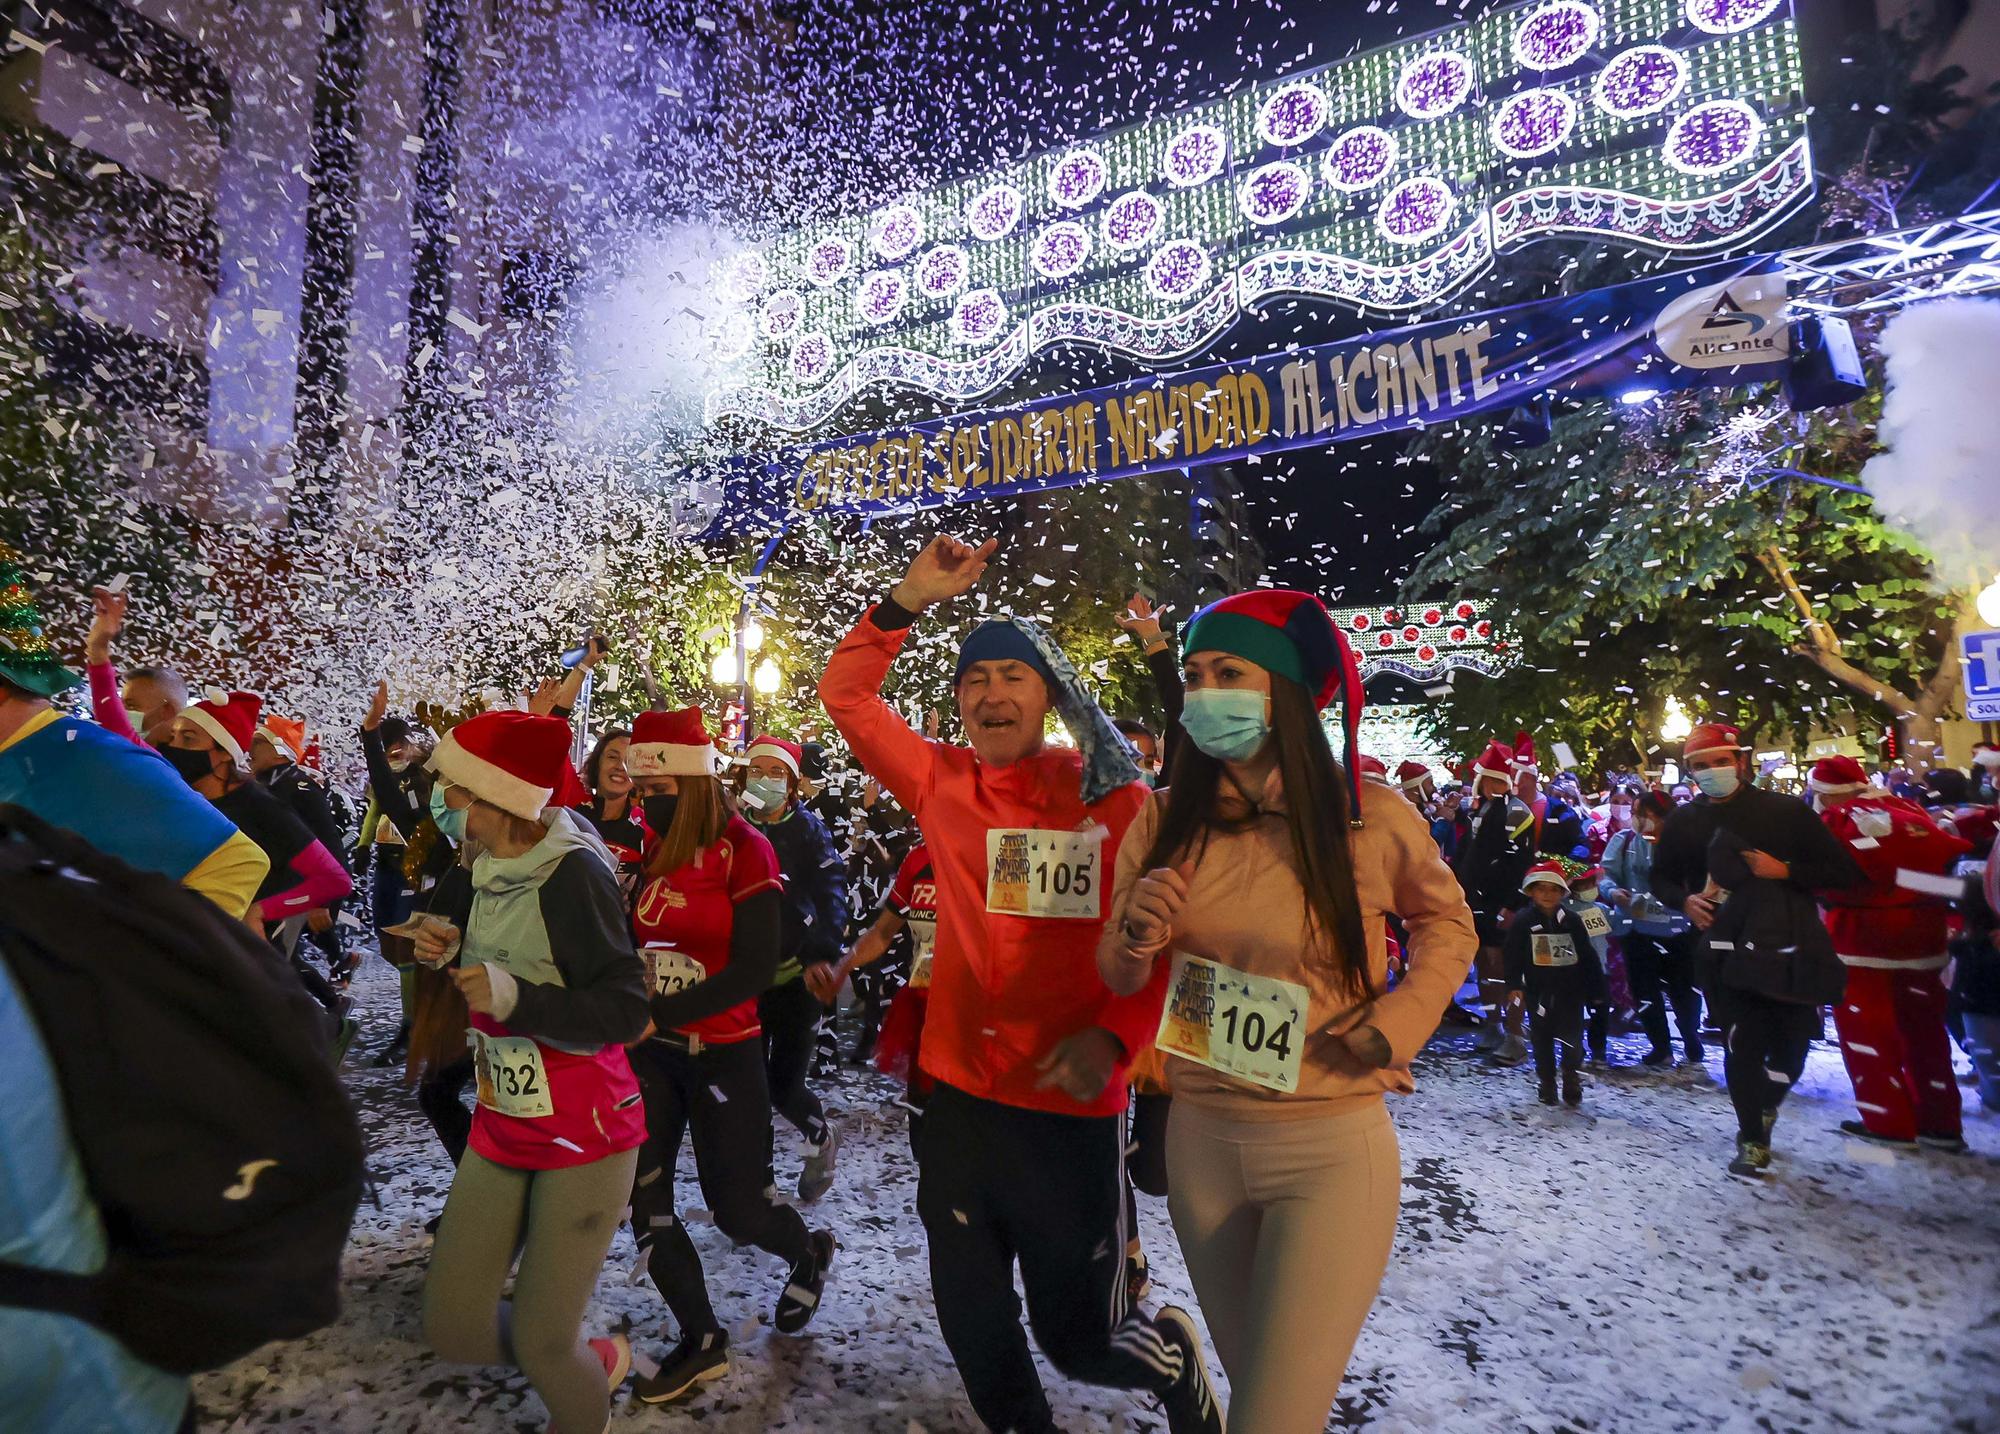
948	568
474	984
1157	899
596	648
1700	910
107	620
434	944
542	701
824	979
1081	1065
378	707
1142	620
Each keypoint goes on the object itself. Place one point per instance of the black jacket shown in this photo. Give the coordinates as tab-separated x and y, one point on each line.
1498	849
1581	981
308	802
814	909
1777	825
405	799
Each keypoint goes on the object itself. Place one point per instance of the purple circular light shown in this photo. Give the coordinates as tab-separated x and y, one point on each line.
943	270
1639	81
1132	220
881	296
1195	155
1180	268
1294	114
1434	84
1557	35
812	356
1726	17
1415	210
1713	137
979	317
993	212
1076	179
1060	250
828	261
1533	122
896	231
1274	193
782	313
1359	159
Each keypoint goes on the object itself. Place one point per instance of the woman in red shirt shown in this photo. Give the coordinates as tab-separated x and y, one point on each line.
706	919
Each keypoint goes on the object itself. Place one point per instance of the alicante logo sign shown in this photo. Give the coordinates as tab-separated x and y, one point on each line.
1726	325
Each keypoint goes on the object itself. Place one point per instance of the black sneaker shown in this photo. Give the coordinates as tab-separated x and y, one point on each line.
697	1359
1696	1053
1572	1089
1546	1092
1655	1060
1190	1404
800	1300
1861	1132
1949	1144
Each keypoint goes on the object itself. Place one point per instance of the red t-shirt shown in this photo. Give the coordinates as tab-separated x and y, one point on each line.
693	911
913	896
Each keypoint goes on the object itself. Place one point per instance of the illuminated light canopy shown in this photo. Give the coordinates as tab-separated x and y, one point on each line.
1434	84
829	262
1294	114
1557	35
1639	81
1416	209
979	317
1076	179
1726	17
1195	155
782	313
1179	270
895	231
746	274
1359	159
881	296
1714	137
942	270
1274	193
994	212
1132	220
812	356
1060	249
1533	122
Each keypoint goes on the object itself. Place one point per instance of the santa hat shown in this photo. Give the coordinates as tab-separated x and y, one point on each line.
287	734
1496	761
1524	753
1713	737
1292	634
1588	874
778	749
1985	754
1837	777
1412	774
671	744
515	761
1374	770
1545	871
230	718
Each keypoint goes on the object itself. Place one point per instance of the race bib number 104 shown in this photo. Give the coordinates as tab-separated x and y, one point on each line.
1251	1027
1037	872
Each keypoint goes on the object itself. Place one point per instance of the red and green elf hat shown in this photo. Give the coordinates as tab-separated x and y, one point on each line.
1291	634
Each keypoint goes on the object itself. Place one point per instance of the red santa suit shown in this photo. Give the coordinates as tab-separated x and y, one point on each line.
1890	934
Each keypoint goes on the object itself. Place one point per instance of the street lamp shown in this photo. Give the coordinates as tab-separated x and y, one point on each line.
1675	724
1988	604
766	678
723	672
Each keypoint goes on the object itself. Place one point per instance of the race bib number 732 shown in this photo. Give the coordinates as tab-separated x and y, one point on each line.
1038	872
510	1076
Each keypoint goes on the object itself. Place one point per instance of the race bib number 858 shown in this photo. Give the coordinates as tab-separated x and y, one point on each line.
1037	872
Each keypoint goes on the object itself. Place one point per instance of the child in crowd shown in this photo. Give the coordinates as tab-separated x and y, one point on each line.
1596	917
1552	964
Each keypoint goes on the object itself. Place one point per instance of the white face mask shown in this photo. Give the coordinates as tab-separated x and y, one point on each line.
138	720
1718	782
399	765
1586	893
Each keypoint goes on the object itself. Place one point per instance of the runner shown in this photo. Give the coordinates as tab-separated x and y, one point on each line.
707	920
545	963
1263	878
611	809
812	920
1023	1146
1494	853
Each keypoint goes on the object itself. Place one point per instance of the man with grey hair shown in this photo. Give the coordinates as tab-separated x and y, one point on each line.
152	697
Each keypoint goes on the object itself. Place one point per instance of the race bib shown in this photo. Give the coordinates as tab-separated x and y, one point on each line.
1554	949
1595	922
923	939
1252	1027
1037	872
670	972
511	1077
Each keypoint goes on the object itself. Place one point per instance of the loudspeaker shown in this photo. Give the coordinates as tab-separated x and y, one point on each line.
1825	371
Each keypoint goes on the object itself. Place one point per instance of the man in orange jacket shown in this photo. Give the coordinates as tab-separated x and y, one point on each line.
1023	1142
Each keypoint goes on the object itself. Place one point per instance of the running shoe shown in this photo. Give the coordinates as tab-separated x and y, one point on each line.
1572	1089
1861	1132
1190	1403
1138	1278
1949	1144
817	1176
1656	1060
800	1301
615	1354
1752	1158
1511	1051
1546	1092
344	1038
697	1359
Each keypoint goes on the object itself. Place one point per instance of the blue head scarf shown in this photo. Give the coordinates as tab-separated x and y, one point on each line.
1109	760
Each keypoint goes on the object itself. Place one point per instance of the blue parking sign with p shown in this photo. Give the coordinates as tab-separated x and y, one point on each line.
1980	652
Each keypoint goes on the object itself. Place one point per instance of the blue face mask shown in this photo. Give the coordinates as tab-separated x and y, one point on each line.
1228	723
450	821
770	794
1718	782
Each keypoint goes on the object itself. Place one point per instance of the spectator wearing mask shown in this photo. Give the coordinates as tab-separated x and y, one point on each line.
151	697
1558	827
1495	851
1658	940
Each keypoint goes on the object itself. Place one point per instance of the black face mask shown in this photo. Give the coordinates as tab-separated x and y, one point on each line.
660	811
192	764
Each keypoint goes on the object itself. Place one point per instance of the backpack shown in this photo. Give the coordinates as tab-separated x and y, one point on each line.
202	1099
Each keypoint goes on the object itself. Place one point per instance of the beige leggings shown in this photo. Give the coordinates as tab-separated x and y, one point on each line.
1286	1226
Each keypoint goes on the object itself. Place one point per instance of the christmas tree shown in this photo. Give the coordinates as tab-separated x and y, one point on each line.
26	659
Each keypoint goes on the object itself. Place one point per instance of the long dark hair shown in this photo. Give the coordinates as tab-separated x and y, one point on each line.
593	772
1317	810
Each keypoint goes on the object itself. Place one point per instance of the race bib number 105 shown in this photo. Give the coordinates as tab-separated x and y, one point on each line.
1036	872
1252	1027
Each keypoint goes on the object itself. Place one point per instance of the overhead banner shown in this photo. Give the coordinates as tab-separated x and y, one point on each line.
1715	326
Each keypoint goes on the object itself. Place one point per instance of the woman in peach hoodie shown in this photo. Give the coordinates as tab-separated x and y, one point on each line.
1265	874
